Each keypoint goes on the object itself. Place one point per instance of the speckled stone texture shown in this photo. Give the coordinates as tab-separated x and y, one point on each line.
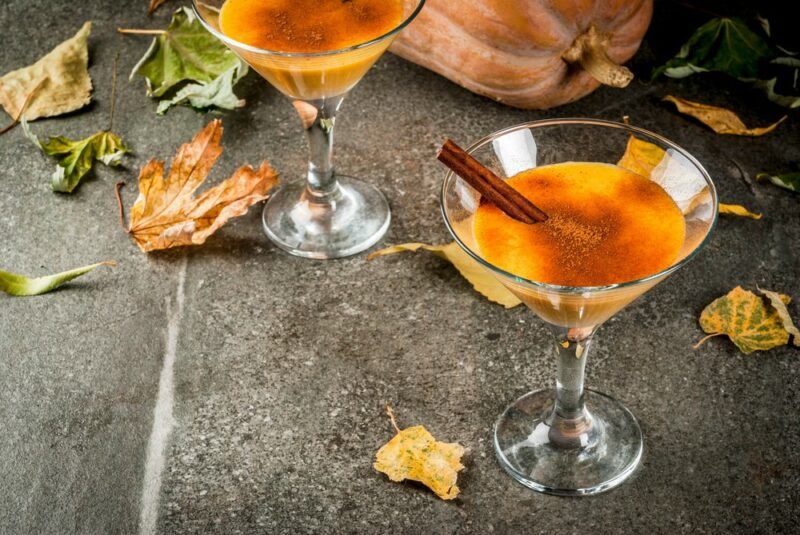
283	365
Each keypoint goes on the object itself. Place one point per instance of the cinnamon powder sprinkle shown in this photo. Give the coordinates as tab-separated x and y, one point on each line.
606	226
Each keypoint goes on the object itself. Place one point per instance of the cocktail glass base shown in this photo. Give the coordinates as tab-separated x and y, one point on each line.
343	222
600	451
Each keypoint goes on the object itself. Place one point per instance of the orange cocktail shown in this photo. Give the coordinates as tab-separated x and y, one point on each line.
606	225
302	29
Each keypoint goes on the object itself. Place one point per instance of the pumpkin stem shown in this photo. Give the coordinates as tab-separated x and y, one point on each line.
589	51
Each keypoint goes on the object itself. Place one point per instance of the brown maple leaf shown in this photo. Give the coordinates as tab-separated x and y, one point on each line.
166	214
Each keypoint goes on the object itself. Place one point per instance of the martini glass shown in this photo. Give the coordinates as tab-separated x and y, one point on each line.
569	440
328	215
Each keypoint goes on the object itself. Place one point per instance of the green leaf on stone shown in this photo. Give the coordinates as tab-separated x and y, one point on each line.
187	53
790	181
75	158
782	81
20	285
217	93
726	45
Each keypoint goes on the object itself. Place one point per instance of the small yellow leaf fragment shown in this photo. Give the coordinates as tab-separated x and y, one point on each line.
737	209
167	214
746	320
779	302
481	279
414	454
641	156
720	120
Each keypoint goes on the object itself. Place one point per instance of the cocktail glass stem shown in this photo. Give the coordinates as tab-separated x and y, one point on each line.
318	118
570	422
326	215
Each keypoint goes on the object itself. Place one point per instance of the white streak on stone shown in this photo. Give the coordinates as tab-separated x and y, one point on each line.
163	419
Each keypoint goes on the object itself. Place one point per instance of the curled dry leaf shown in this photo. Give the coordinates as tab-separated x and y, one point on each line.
75	158
720	120
414	454
167	214
20	285
779	302
478	276
59	82
747	320
737	209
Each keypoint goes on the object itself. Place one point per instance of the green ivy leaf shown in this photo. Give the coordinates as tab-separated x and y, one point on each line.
782	81
20	285
747	53
187	52
77	157
790	181
726	45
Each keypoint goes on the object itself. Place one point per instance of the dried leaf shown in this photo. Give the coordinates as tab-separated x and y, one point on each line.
736	209
77	157
641	156
414	454
746	319
154	4
720	120
673	172
166	214
790	181
20	285
779	302
187	65
480	278
62	77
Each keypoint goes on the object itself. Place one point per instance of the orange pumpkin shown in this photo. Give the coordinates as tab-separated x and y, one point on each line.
527	53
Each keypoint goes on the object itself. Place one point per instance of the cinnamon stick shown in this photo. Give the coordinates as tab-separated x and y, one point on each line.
493	188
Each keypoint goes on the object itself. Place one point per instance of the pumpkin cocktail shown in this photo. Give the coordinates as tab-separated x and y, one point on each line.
311	27
315	52
551	209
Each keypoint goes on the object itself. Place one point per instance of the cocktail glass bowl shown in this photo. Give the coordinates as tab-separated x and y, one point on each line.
569	440
327	215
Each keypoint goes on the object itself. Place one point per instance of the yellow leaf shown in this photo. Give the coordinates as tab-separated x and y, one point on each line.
641	156
59	82
736	209
478	276
779	302
670	171
166	214
720	120
414	454
746	320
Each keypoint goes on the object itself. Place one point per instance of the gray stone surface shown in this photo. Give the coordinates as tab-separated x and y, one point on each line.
283	365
